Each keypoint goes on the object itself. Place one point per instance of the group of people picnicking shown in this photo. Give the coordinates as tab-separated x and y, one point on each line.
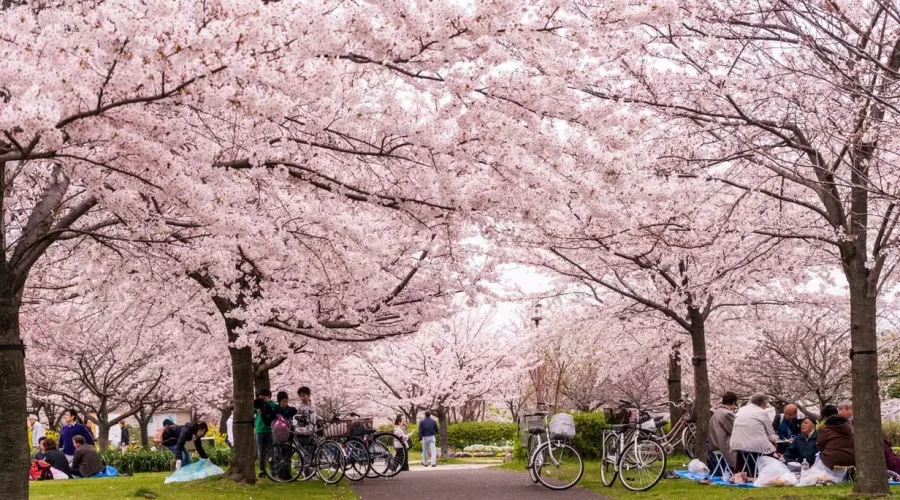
738	439
75	455
79	458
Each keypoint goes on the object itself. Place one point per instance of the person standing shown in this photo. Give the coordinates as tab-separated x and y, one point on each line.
306	409
284	408
403	444
428	430
266	410
124	440
72	428
37	431
86	461
229	431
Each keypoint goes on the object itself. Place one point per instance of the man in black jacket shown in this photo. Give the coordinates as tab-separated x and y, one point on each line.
803	447
175	436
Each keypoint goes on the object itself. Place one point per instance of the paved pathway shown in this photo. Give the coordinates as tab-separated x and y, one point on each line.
464	482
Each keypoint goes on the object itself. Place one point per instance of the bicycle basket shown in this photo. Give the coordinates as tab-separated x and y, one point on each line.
615	416
562	426
533	423
337	428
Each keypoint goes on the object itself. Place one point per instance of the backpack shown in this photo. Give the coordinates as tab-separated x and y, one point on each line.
267	413
158	437
40	471
281	431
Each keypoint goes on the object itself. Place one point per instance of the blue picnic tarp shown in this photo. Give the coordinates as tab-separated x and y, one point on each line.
201	469
717	480
108	471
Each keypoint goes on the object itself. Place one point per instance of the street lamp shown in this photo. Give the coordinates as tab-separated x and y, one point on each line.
536	316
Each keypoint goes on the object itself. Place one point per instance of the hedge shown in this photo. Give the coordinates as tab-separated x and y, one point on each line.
589	427
156	461
462	434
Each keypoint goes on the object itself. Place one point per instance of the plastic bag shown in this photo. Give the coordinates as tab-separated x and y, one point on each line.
58	474
819	473
771	472
197	470
562	426
281	431
698	467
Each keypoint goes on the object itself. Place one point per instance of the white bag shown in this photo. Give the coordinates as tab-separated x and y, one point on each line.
698	467
771	472
562	426
58	474
818	473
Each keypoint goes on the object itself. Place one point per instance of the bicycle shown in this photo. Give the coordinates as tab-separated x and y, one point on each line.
551	461
639	462
350	433
683	433
304	456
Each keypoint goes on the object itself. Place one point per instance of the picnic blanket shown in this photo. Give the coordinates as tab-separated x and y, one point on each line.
197	470
683	474
717	480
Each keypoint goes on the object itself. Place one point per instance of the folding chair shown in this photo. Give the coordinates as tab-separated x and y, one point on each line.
850	476
746	457
721	466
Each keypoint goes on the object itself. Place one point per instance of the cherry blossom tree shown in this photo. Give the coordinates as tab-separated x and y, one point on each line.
790	103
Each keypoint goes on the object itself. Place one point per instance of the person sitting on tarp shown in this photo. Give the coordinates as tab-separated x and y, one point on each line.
86	461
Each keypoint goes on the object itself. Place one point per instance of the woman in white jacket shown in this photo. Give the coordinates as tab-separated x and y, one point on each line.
752	434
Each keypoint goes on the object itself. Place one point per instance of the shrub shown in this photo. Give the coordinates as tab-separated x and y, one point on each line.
589	427
220	455
138	461
891	432
218	437
463	434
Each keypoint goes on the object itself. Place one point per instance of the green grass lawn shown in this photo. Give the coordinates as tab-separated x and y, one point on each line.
210	489
683	489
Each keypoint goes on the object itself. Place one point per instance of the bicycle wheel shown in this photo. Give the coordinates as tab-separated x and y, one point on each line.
394	445
559	467
356	456
608	460
688	439
533	442
642	465
329	462
380	460
283	463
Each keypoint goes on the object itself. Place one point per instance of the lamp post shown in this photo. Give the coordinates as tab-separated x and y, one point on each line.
536	316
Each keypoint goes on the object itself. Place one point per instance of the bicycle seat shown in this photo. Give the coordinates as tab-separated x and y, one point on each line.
620	427
659	419
537	414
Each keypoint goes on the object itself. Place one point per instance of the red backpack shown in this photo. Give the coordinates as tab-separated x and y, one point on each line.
40	471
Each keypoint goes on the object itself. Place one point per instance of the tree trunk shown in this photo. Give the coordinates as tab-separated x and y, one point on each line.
103	438
14	446
674	380
242	466
445	440
867	433
701	381
145	439
261	379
